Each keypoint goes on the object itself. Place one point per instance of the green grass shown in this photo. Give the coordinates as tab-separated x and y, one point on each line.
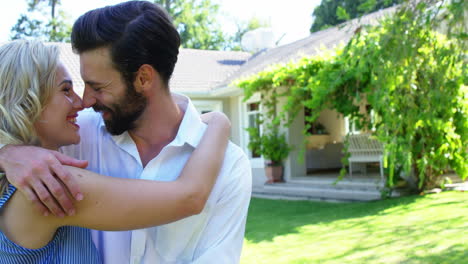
415	229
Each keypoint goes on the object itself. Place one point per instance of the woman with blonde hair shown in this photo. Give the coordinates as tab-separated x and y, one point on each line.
39	107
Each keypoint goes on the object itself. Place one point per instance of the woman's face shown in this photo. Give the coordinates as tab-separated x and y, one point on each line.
57	126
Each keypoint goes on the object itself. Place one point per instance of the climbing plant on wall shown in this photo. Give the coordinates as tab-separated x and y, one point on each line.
410	69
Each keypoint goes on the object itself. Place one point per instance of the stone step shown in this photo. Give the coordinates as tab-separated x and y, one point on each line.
361	188
374	184
315	193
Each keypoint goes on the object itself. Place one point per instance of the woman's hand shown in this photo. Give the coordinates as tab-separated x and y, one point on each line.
39	175
217	118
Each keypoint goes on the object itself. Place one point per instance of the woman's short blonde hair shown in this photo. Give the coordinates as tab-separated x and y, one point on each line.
27	77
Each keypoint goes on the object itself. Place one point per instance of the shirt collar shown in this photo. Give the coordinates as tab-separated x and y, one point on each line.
191	128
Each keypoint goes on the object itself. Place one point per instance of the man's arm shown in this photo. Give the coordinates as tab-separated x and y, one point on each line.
39	175
224	234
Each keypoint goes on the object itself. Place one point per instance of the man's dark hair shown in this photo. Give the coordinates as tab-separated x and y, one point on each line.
137	33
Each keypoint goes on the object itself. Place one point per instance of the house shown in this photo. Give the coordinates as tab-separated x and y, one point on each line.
207	78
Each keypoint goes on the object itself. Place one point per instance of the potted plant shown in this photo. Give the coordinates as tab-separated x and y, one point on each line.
274	148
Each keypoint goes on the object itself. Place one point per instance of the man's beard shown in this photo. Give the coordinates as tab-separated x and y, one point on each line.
125	112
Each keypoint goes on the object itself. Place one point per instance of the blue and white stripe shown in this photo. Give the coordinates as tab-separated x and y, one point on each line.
8	193
70	245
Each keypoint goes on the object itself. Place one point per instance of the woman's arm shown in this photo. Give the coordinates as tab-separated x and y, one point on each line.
123	204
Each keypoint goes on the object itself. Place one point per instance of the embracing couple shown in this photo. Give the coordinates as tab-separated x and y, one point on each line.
154	165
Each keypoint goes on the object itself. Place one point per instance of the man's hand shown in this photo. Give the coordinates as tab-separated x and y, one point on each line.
39	175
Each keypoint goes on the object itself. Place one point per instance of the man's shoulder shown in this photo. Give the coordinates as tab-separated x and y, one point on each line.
235	178
235	159
234	152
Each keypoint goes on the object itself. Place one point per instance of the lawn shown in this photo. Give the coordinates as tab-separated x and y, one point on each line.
415	229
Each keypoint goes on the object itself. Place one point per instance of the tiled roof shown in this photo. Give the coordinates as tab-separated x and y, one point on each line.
199	71
328	38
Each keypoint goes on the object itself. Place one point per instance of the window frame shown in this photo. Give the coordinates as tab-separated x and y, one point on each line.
256	162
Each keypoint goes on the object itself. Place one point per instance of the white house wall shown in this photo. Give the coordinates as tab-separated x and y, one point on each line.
295	164
234	115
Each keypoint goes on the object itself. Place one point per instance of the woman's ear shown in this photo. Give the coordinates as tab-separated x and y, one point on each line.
145	78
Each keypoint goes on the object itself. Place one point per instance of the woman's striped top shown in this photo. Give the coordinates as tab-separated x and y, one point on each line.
69	245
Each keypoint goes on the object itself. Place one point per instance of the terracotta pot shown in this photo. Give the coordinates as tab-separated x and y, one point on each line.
274	173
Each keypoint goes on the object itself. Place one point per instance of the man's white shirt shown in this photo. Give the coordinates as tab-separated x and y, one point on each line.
213	236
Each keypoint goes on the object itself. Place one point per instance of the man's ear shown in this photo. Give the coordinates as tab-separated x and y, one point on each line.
145	78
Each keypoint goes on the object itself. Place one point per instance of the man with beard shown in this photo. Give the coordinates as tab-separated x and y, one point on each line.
127	56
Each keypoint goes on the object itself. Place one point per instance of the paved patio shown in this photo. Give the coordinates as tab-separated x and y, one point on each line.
323	186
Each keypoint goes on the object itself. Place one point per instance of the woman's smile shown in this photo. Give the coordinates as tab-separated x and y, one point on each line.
72	119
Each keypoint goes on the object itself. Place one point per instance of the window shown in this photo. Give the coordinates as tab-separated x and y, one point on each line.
353	126
253	113
250	111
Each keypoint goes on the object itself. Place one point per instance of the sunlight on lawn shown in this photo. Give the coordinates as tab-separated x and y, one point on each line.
416	229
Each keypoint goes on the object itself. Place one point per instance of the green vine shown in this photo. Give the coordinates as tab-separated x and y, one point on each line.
413	78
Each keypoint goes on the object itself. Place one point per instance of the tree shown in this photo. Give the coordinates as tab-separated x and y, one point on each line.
26	28
333	12
38	23
196	22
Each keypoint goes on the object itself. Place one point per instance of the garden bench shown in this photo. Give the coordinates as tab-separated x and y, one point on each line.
363	148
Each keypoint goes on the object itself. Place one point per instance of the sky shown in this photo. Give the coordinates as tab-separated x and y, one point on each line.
290	20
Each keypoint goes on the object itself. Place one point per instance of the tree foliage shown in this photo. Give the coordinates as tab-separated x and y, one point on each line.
419	93
39	23
333	12
196	22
